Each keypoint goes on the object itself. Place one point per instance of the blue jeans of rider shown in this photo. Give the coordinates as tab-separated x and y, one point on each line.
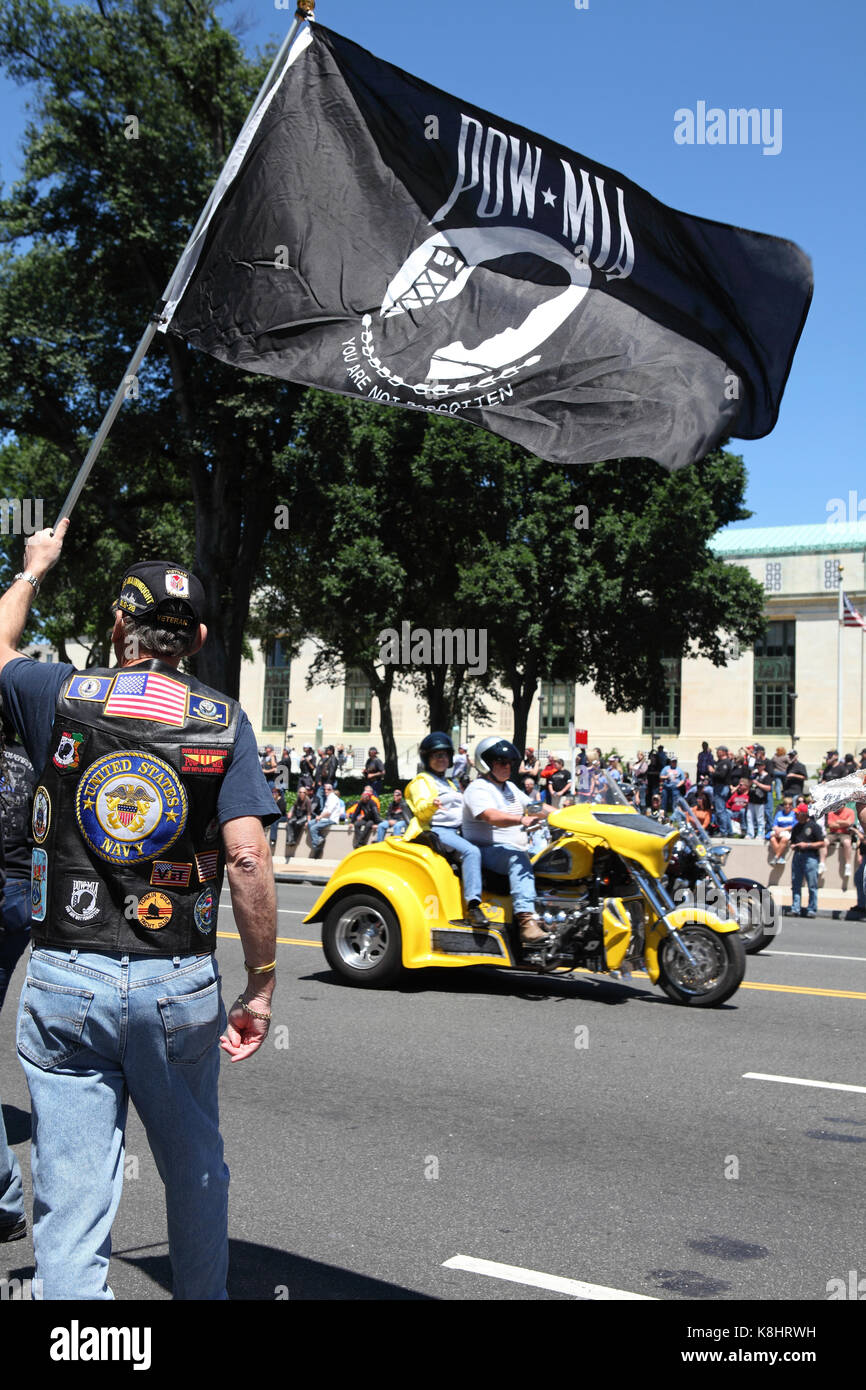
723	815
95	1031
470	861
805	865
14	937
503	859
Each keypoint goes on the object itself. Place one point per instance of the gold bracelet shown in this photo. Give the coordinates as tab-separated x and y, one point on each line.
254	1013
260	969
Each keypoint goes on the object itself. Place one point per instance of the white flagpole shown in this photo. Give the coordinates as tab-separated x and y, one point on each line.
839	671
305	10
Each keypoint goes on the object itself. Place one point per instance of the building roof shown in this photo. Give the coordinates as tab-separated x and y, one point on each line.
791	540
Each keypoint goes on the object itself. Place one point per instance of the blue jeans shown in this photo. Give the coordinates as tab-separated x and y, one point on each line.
318	831
756	817
398	828
805	865
470	861
95	1031
11	1193
502	859
860	884
15	933
723	815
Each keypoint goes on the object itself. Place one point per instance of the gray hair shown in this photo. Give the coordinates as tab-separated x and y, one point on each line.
145	636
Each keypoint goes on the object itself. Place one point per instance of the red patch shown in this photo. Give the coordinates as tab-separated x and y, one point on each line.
204	760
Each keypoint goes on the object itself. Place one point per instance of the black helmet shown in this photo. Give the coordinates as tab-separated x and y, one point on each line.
493	747
433	743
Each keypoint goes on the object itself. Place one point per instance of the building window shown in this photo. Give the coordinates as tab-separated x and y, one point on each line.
358	703
831	574
557	702
278	658
774	679
773	577
667	719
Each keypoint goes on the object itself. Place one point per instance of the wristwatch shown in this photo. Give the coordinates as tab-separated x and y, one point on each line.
31	578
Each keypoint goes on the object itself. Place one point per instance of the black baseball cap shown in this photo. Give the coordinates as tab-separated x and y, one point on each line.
155	587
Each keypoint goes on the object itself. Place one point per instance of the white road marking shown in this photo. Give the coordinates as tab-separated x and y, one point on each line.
536	1280
812	955
801	1081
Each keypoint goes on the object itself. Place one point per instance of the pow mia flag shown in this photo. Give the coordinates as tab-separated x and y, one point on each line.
379	238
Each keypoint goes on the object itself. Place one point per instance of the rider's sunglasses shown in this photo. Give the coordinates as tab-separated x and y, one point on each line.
501	762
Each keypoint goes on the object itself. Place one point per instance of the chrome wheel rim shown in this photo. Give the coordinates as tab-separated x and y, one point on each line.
362	938
708	953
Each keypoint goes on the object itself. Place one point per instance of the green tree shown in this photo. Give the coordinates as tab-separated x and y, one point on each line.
136	104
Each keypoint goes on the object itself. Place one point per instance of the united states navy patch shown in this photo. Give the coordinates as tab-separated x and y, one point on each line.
203	707
130	807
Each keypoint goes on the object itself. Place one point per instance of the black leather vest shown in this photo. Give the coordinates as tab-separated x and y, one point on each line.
127	850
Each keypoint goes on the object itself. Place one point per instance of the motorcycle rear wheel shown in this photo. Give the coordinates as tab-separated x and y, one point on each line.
720	964
361	941
753	909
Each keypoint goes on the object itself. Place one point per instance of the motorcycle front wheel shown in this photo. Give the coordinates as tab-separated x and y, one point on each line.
361	941
715	972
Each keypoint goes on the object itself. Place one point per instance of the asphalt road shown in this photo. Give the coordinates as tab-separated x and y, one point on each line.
588	1130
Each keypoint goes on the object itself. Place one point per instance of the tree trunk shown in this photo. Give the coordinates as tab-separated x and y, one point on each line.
382	687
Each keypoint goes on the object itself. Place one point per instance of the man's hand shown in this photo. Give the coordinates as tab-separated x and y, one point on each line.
244	1033
42	550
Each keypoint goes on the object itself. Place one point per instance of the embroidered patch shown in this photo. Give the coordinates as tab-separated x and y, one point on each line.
38	885
212	829
67	754
41	814
206	864
132	604
170	874
83	904
154	910
177	583
147	695
89	688
204	912
130	807
214	711
204	759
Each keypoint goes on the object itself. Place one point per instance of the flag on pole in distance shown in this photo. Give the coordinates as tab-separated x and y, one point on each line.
379	238
850	615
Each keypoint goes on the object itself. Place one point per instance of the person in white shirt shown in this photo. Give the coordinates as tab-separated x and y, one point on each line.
321	824
495	818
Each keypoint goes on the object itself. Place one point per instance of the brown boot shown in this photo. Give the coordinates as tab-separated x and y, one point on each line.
532	933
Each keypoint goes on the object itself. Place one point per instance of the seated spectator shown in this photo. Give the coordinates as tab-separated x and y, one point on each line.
365	815
330	814
396	820
703	810
780	835
737	804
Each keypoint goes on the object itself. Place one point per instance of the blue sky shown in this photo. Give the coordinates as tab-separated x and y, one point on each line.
606	81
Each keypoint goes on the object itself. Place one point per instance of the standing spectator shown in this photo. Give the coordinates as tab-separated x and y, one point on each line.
374	772
460	770
705	762
779	768
639	770
298	818
858	913
720	779
840	830
366	816
760	786
863	757
559	783
279	805
583	786
269	764
341	759
795	777
672	782
329	815
307	772
530	766
658	759
740	767
397	819
806	841
17	796
780	836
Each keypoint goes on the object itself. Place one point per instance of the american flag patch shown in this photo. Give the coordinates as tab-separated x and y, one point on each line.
167	873
147	695
207	864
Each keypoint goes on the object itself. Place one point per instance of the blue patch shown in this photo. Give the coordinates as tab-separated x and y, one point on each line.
130	807
89	688
214	711
205	911
38	885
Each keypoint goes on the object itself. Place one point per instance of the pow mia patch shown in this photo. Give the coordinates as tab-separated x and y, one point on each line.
130	807
67	754
83	904
154	910
204	759
88	688
169	874
41	814
214	711
38	885
204	912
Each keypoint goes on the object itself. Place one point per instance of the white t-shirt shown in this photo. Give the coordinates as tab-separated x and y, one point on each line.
450	813
486	795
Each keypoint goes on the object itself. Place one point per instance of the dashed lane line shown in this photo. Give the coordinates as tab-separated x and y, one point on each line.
802	1081
536	1279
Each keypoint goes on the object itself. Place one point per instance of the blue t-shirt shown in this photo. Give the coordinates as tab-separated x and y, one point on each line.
29	690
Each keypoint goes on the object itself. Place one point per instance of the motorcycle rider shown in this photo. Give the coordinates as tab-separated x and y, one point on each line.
495	819
436	803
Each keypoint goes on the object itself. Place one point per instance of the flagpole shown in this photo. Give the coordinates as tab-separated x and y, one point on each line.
839	671
305	11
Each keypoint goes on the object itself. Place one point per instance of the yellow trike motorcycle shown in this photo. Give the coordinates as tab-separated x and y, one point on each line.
600	892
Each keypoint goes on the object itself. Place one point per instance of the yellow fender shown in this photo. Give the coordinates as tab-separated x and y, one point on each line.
680	917
421	889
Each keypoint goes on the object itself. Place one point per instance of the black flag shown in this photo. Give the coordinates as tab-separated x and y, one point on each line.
379	238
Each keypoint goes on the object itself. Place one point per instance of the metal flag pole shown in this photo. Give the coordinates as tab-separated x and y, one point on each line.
305	11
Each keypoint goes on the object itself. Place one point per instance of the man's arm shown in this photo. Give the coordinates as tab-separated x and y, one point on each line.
41	553
254	903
